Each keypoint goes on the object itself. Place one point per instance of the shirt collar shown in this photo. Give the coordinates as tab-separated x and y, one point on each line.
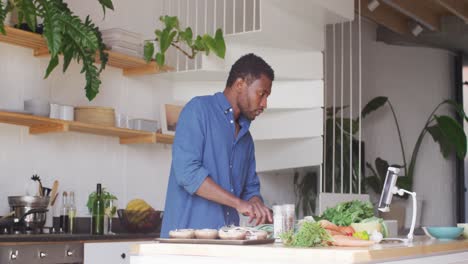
226	107
223	101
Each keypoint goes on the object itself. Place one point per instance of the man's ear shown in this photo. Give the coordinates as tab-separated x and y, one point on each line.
239	85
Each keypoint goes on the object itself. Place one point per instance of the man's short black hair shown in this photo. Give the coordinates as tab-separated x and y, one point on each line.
249	67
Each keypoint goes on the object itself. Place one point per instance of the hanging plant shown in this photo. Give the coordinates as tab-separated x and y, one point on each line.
173	35
66	34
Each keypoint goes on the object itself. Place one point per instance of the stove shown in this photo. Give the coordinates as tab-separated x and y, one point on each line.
26	246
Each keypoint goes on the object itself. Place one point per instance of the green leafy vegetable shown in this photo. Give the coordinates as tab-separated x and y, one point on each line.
106	196
309	235
346	213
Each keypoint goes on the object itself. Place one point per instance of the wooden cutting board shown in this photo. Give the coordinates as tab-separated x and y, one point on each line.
215	241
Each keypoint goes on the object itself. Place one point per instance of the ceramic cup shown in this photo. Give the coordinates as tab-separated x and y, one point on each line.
67	112
54	111
465	230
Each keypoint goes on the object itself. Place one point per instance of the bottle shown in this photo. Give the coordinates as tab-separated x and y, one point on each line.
98	213
64	214
289	217
71	213
278	222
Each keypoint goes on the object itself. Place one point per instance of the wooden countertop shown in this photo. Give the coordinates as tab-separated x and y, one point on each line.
421	246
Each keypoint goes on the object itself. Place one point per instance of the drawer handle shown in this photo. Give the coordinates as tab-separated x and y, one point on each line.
123	256
69	253
42	254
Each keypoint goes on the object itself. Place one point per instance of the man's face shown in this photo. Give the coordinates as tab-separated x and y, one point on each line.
253	97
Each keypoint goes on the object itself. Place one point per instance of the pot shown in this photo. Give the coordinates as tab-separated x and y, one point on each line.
30	211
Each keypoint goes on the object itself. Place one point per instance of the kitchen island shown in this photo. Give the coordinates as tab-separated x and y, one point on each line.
422	250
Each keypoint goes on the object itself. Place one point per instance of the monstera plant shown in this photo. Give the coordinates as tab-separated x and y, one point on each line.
65	33
444	130
173	35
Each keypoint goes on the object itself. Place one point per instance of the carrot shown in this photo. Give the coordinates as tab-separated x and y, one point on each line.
333	232
340	240
347	230
329	225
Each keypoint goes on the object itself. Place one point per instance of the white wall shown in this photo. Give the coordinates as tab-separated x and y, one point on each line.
415	80
77	160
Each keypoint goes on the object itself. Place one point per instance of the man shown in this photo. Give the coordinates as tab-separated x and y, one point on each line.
213	175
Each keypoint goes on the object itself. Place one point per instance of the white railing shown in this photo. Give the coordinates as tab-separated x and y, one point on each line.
343	163
206	16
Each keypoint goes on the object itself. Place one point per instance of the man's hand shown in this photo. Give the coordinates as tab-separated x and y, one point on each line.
255	209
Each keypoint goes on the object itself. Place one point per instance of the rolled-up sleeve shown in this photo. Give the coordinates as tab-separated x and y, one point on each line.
252	186
187	150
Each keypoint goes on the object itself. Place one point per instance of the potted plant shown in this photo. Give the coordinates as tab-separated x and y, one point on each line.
444	130
173	35
66	34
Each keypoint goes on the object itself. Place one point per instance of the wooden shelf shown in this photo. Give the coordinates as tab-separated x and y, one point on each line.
41	125
131	66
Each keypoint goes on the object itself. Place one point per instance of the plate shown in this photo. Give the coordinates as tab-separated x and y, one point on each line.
215	241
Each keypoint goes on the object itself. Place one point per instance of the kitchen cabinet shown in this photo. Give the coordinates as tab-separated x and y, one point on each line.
130	65
41	125
109	252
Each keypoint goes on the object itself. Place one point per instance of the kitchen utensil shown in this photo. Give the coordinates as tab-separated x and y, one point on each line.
53	193
46	191
30	210
445	232
54	199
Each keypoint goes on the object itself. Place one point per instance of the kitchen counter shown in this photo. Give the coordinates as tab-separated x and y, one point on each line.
422	249
29	239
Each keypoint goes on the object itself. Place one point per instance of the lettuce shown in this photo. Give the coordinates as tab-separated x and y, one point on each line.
346	213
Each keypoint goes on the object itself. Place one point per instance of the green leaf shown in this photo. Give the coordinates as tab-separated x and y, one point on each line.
209	43
187	36
373	105
158	33
171	22
160	59
53	28
3	12
452	133
437	136
220	46
458	108
164	40
68	53
198	44
382	166
52	64
106	4
148	51
26	12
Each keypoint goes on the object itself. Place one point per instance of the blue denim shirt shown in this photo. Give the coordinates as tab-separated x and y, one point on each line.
205	145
